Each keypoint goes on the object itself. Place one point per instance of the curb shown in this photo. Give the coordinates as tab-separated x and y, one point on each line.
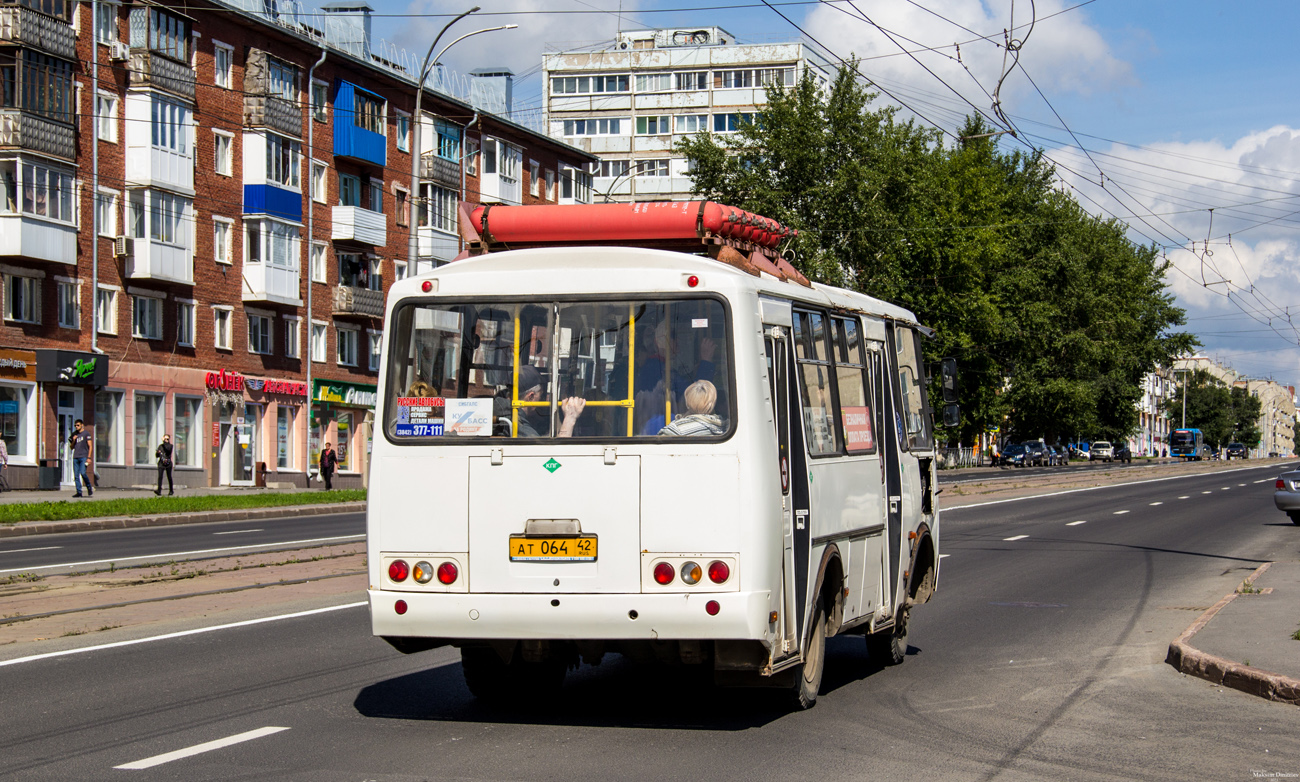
1190	660
169	519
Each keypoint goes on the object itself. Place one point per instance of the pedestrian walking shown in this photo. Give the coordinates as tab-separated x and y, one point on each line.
328	462
82	443
163	453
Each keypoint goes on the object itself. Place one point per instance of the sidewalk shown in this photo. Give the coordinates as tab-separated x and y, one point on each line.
1244	641
32	495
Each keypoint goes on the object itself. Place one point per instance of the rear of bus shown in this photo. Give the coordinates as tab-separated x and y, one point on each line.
532	535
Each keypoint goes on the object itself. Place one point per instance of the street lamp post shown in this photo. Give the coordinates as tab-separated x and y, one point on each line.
412	247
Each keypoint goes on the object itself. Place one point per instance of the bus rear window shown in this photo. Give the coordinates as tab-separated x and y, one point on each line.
527	370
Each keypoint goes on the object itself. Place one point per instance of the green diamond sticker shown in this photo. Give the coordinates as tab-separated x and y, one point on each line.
551	466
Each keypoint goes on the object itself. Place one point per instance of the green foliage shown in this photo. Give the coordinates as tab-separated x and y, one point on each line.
89	509
1053	314
1224	415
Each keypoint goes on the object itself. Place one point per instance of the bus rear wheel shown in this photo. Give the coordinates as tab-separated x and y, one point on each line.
809	680
889	647
489	678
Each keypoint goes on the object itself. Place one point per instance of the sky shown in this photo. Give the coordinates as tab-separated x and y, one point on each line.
1177	117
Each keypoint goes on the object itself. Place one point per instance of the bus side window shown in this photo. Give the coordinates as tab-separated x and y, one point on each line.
914	407
815	383
855	406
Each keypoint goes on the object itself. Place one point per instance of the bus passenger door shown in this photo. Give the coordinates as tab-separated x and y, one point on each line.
777	349
890	425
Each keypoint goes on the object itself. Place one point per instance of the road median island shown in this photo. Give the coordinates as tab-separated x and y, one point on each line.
35	608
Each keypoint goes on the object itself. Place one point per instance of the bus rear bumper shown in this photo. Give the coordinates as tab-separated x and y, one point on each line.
455	617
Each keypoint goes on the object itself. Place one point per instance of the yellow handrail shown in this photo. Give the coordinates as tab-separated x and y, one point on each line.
514	387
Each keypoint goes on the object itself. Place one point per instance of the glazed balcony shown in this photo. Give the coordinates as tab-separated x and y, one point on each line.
355	224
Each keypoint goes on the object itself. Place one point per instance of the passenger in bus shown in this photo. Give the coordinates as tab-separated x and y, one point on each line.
650	382
699	421
534	420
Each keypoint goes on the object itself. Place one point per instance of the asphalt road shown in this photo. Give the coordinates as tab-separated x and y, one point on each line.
89	550
1039	658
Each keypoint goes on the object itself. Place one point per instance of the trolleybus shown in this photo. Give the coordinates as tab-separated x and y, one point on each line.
680	452
1188	444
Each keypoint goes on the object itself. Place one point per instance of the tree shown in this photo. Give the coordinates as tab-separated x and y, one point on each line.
1222	414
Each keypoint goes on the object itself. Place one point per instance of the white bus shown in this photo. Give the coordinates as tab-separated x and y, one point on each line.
593	450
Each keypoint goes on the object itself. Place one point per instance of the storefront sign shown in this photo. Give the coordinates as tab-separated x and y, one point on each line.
216	435
18	364
287	387
224	381
344	393
70	366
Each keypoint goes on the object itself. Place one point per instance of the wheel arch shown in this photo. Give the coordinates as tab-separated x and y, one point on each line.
830	586
923	569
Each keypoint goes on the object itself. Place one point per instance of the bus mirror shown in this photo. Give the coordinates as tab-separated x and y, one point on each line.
951	416
948	375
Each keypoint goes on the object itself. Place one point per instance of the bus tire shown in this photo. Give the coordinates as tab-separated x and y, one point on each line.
809	681
486	674
889	647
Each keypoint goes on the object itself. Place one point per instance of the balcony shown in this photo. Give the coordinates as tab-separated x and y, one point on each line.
355	224
358	301
26	27
22	236
21	130
147	259
351	140
437	245
440	170
262	107
270	283
150	69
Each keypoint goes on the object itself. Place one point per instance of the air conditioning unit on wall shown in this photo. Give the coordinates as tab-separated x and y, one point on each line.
123	246
118	51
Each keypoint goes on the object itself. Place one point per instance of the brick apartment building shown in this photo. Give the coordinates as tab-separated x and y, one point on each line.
249	180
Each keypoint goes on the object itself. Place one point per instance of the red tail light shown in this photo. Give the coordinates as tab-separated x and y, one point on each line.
1281	484
447	572
712	608
719	572
400	607
664	573
399	570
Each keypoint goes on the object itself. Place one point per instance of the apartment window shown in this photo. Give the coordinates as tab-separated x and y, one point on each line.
221	231
402	206
146	322
593	127
37	190
376	341
733	79
352	272
318	254
106	212
284	437
534	178
170	125
167	218
318	342
652	167
292	329
283	160
221	327
651	126
471	157
106	22
399	270
575	185
349	190
347	344
69	305
282	79
169	35
318	182
654	82
448	141
489	156
259	334
106	117
550	185
611	168
730	123
404	131
148	425
106	311
438	203
108	426
222	58
188	439
222	144
273	242
37	83
185	323
376	195
775	77
693	80
369	112
577	85
319	98
692	123
22	299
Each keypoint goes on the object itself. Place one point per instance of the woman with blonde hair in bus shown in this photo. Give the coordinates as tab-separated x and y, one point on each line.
701	397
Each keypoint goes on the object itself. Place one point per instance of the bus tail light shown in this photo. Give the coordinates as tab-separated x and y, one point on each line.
712	608
691	573
664	573
399	570
400	607
718	571
422	572
447	573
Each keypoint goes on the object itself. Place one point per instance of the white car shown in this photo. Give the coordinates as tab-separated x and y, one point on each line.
1101	451
1286	495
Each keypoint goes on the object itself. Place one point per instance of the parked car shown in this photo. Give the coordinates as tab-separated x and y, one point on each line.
1013	455
1062	455
1101	450
1235	451
1287	494
1035	453
1123	454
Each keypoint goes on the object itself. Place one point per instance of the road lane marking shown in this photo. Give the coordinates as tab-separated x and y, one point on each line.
21	550
1207	492
158	760
1156	503
1185	497
1242	484
1120	512
1075	523
1225	488
1264	480
1016	537
237	532
181	634
174	555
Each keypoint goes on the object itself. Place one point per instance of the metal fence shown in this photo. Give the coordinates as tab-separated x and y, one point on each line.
952	458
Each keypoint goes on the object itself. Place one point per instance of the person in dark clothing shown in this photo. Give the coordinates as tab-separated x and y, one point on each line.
328	462
82	443
164	456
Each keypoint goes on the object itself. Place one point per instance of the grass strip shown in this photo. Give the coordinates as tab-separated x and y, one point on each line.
147	506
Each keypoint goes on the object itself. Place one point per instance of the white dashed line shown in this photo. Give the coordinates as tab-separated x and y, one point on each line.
237	532
21	550
1266	480
1120	512
1225	488
1185	497
158	760
1241	484
1156	503
1075	523
1016	537
1207	492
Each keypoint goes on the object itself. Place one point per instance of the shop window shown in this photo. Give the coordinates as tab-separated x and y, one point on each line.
148	426
188	432
284	437
14	401
344	445
108	427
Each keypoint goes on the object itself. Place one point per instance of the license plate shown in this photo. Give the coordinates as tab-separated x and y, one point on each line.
569	549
